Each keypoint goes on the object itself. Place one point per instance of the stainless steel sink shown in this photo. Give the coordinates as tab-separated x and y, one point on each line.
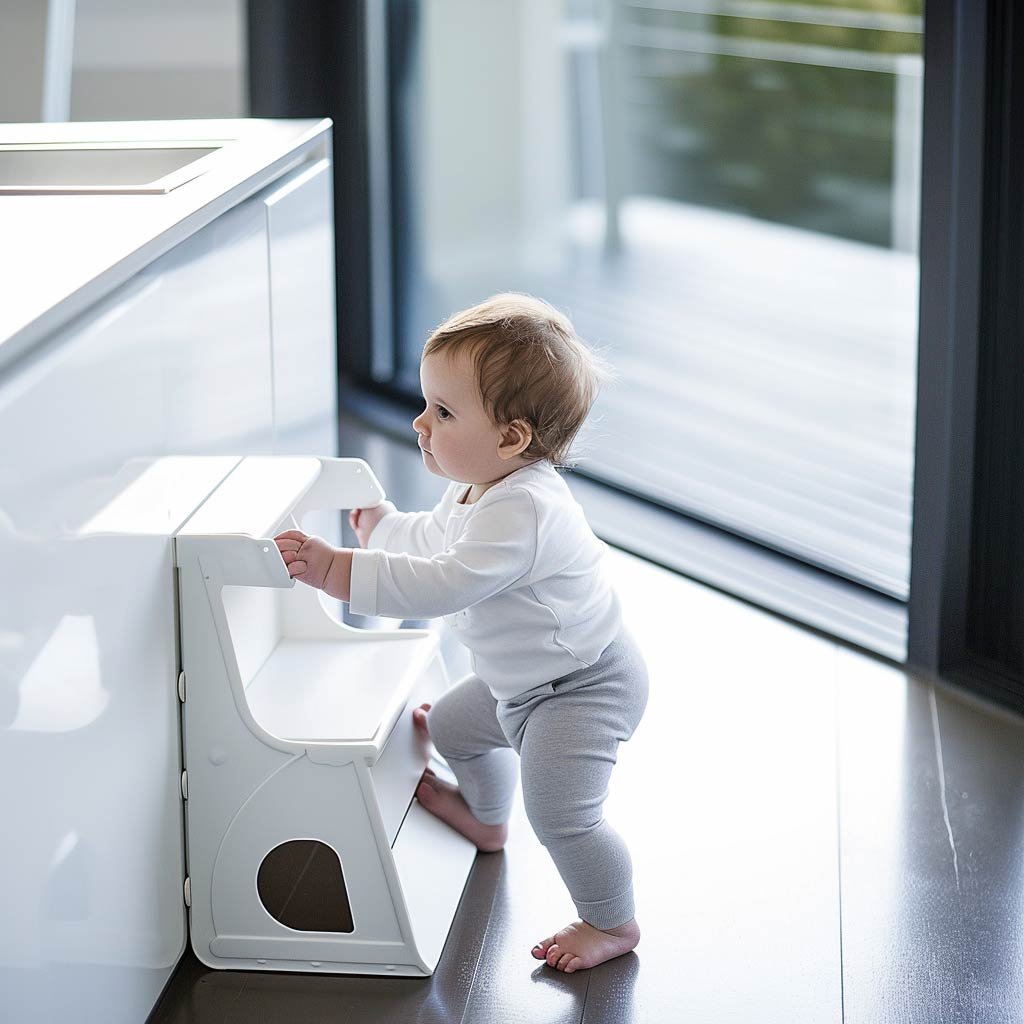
103	168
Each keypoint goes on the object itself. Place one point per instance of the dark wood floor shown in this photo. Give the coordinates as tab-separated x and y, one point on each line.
816	836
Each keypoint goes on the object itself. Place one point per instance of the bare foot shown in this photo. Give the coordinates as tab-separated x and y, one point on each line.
444	801
581	945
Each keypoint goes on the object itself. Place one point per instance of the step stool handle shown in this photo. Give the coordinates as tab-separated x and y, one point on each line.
343	483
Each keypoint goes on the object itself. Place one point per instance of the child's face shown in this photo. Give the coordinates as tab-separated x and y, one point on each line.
457	438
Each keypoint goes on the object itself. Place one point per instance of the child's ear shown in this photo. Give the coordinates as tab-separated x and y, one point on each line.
515	439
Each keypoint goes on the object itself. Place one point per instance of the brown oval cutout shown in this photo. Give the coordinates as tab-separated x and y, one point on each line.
302	885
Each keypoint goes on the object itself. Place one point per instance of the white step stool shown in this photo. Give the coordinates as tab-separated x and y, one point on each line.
298	727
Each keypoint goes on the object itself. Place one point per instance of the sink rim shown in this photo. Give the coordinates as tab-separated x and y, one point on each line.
158	186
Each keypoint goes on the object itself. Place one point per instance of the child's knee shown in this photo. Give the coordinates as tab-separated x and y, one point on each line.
555	822
442	726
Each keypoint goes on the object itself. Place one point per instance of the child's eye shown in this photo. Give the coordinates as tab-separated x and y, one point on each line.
443	413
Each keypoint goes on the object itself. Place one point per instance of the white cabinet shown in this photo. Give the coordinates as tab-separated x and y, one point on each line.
185	359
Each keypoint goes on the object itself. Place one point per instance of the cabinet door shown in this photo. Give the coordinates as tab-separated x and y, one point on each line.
214	330
300	241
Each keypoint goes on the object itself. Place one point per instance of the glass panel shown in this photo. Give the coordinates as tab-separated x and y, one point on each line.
722	195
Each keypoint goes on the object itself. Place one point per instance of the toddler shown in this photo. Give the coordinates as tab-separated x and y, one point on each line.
509	561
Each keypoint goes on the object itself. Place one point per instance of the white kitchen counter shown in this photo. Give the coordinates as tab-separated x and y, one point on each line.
60	253
147	344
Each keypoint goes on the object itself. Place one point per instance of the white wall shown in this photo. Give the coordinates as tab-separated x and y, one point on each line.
22	46
153	59
129	59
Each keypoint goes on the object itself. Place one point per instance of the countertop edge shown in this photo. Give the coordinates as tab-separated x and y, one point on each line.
28	338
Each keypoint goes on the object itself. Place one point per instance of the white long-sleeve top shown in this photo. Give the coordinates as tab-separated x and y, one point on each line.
518	575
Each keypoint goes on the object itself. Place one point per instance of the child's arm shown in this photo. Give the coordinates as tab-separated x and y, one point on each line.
497	550
415	533
315	562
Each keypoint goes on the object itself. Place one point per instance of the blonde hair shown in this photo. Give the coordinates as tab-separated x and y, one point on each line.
530	365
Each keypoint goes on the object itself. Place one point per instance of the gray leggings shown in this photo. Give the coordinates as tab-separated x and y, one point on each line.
566	733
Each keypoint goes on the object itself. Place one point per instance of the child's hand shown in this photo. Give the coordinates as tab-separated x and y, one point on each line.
308	558
364	520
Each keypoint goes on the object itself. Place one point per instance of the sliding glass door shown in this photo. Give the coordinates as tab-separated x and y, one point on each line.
724	196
